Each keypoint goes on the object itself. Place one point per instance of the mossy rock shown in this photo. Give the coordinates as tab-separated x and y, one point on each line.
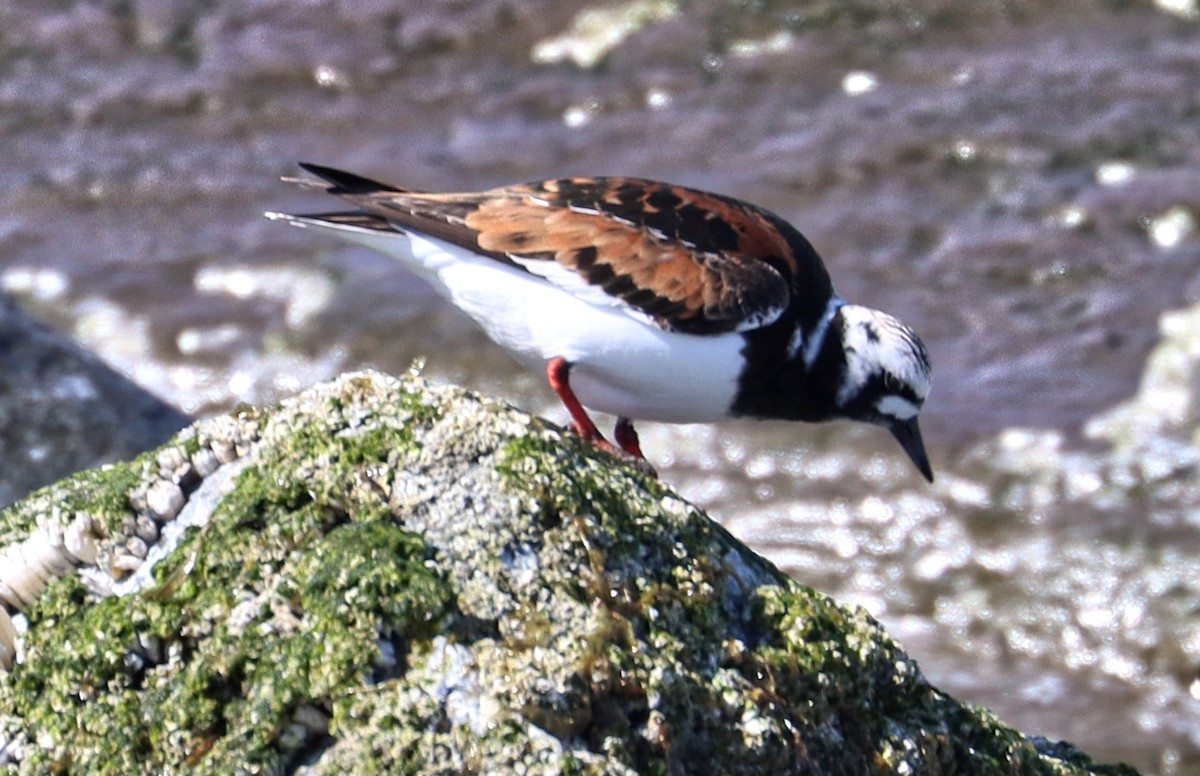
386	576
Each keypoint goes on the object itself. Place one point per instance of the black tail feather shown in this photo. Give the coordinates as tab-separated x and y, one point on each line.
347	182
353	219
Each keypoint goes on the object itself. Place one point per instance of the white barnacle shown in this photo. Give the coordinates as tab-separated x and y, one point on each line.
224	450
8	641
79	538
50	552
205	462
28	566
124	565
136	547
145	529
164	499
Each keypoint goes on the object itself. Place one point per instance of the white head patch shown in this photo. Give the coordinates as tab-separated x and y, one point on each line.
897	407
880	347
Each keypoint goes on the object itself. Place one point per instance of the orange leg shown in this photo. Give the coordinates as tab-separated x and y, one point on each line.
557	371
627	437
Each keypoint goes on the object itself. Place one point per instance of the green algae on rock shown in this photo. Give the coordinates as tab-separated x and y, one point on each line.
385	576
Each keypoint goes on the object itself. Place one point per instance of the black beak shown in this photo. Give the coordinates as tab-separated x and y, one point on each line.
908	434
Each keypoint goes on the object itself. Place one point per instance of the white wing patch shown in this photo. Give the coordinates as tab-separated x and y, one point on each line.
569	280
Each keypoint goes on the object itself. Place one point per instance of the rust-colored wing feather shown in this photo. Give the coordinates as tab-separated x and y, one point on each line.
691	261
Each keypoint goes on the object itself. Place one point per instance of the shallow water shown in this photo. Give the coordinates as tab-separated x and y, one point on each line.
1015	180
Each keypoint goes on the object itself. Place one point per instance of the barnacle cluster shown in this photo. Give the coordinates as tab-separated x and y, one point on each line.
76	540
53	550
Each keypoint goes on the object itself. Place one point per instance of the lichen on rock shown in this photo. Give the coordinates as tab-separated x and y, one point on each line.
386	576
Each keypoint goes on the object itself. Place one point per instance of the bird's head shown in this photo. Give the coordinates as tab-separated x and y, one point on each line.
886	378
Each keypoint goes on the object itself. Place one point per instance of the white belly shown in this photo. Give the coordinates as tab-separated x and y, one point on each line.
621	365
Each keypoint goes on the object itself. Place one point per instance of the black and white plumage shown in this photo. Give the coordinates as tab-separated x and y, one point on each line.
647	301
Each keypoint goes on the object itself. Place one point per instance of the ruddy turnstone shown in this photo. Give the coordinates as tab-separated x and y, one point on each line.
647	301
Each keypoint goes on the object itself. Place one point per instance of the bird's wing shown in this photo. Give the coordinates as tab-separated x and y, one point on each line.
688	260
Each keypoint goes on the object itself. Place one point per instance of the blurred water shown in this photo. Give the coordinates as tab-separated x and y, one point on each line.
1016	180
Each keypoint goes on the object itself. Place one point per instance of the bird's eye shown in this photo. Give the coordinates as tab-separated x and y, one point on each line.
892	383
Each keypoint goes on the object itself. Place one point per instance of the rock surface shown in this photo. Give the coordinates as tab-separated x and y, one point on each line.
62	409
384	576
